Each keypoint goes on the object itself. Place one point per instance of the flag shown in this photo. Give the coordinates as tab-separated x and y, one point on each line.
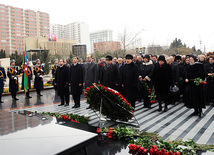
26	84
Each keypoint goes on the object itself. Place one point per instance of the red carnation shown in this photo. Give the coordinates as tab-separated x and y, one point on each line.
154	147
109	136
144	151
170	153
201	82
205	82
98	130
177	153
163	151
91	86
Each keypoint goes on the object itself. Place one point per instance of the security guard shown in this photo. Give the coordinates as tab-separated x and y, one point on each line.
38	72
54	68
30	75
12	73
2	80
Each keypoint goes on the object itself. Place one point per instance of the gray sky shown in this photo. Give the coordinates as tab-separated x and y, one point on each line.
163	20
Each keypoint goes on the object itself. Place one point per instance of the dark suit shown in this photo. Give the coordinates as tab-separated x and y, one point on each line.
129	79
90	74
110	76
76	78
61	80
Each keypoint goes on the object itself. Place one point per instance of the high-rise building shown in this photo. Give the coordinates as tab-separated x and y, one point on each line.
78	31
100	36
17	23
59	30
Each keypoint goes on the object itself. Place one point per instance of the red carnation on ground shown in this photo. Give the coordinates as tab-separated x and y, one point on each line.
98	130
205	82
201	82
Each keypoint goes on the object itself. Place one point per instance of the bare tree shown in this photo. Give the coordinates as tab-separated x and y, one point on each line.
127	39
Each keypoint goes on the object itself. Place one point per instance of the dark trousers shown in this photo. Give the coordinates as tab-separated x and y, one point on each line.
163	98
76	100
13	95
64	98
146	98
38	91
0	96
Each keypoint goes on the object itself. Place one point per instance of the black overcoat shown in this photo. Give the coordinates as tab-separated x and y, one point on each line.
2	79
76	78
209	68
195	94
62	80
162	78
110	76
38	82
129	79
13	84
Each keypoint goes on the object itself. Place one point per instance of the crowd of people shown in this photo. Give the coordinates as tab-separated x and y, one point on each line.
132	76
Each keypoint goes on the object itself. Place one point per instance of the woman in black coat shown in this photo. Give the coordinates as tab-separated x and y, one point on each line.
196	96
62	82
209	70
146	70
129	80
162	80
184	76
76	81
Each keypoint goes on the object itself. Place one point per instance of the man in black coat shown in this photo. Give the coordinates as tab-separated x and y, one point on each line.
90	72
209	71
110	75
62	82
12	73
162	80
120	66
129	79
76	81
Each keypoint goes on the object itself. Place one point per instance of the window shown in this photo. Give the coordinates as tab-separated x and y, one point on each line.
4	41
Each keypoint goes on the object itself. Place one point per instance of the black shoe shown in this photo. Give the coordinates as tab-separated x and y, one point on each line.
200	114
1	101
66	105
160	109
89	107
165	109
78	106
15	99
74	107
60	104
149	107
195	113
29	96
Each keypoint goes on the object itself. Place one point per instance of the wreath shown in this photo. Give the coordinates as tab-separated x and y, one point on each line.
114	105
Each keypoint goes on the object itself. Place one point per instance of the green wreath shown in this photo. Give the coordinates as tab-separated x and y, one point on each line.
114	105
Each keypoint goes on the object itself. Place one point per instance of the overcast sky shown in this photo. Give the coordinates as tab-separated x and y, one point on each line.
162	20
